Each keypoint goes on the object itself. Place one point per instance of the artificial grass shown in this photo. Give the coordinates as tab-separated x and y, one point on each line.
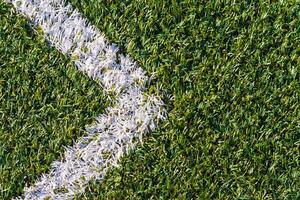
45	104
230	78
231	69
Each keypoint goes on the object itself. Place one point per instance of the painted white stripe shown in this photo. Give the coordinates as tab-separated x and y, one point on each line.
116	132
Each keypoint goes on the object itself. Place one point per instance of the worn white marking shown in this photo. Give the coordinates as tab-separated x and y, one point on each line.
120	128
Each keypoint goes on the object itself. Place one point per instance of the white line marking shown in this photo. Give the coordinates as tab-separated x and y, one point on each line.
123	125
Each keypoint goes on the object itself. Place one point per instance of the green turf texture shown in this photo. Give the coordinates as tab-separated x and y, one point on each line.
233	129
45	103
230	78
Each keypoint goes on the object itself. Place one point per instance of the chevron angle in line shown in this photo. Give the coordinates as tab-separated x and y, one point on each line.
121	127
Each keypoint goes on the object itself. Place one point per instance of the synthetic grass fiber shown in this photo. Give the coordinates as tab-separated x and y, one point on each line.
115	132
45	104
229	73
232	70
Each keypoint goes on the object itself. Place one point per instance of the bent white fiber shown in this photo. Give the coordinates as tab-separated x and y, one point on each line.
116	132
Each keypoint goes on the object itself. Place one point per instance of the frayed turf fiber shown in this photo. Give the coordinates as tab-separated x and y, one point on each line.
117	131
232	70
45	104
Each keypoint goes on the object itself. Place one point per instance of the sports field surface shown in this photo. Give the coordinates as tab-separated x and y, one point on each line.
228	73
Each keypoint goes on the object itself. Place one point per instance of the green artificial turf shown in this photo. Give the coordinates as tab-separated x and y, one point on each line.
229	72
232	70
45	103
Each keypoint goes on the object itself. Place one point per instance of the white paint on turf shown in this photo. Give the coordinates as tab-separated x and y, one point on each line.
120	128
